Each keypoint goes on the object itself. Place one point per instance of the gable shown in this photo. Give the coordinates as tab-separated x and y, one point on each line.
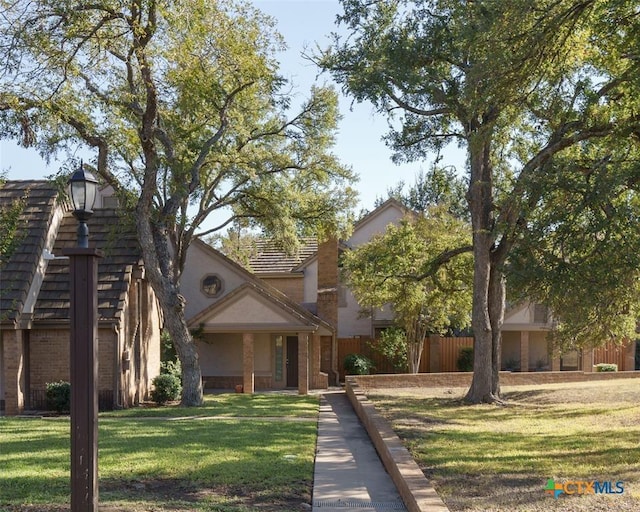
202	261
254	308
376	222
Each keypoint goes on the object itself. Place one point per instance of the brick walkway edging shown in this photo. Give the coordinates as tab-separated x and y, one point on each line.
416	491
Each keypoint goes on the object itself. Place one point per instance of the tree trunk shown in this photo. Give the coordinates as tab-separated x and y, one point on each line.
480	198
187	353
415	353
158	265
496	317
482	381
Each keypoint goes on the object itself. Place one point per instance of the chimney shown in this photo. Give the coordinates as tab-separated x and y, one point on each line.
328	281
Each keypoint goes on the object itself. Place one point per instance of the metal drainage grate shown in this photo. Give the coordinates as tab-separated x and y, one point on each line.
377	505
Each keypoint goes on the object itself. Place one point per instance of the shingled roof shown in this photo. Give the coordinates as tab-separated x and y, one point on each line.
272	259
117	240
17	272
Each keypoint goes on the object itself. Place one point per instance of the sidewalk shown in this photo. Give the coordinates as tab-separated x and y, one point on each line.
348	473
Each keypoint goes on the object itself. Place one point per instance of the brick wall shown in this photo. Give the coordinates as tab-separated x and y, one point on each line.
49	357
292	287
328	281
460	379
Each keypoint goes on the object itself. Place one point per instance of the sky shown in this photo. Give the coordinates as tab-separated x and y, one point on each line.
303	23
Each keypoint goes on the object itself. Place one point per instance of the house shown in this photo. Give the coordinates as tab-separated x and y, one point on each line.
34	304
311	278
525	346
248	333
313	274
277	326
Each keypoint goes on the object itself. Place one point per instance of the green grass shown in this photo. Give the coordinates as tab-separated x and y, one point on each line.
190	461
231	405
499	458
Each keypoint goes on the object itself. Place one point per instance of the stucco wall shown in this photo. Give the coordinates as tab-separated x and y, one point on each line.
221	354
538	351
376	224
311	282
200	262
511	348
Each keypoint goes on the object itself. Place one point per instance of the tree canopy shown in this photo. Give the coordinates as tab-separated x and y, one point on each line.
422	269
187	115
525	87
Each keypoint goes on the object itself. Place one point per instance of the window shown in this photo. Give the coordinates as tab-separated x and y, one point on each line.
212	285
540	314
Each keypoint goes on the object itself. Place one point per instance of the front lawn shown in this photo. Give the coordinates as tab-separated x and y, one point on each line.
492	458
236	453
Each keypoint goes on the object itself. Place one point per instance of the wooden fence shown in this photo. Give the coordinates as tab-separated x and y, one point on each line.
441	354
450	350
445	352
610	353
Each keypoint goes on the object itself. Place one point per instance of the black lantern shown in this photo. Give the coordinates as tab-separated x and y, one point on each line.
82	190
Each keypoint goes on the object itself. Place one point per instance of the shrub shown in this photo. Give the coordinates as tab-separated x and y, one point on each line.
59	396
166	387
393	346
172	367
606	367
465	359
357	364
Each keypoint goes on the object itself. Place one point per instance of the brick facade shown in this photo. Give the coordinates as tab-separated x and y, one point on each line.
460	379
292	287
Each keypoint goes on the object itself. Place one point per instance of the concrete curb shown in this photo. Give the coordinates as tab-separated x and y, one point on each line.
416	491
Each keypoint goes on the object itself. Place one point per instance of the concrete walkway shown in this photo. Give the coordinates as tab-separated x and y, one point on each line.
348	473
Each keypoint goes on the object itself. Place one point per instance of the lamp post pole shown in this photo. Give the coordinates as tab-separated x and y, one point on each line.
83	311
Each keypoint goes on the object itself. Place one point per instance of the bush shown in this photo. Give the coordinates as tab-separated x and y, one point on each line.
59	396
172	367
357	364
465	359
392	345
166	387
605	367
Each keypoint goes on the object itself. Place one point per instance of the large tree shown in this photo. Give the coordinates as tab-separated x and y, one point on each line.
518	84
420	268
183	105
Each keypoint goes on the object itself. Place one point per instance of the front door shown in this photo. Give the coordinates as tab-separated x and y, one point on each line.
292	361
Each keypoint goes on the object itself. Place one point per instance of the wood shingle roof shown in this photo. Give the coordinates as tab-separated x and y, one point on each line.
17	272
272	259
118	243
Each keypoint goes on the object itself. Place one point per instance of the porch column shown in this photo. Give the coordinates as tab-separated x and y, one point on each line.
555	362
303	363
315	361
14	372
587	360
524	351
248	375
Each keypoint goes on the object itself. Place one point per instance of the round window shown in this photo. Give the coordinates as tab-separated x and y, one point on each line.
212	285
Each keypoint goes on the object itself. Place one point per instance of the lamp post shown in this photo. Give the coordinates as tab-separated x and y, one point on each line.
83	312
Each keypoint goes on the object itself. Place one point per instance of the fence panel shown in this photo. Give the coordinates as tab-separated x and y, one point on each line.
611	353
363	345
449	351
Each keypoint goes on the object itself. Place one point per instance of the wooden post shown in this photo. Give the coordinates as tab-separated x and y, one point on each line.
248	373
84	370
